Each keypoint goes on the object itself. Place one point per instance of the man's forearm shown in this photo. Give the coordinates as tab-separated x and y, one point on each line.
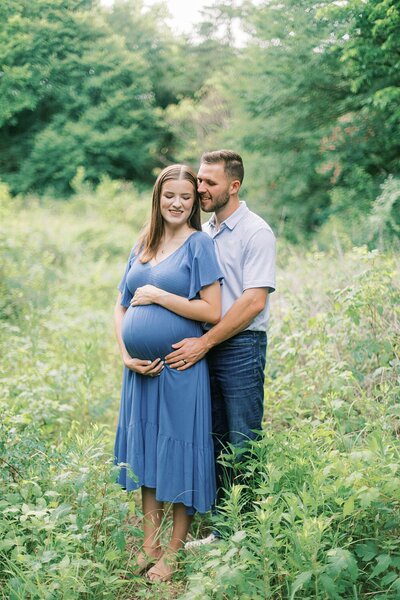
238	317
189	351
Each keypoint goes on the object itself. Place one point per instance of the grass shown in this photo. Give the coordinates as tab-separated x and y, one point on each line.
314	512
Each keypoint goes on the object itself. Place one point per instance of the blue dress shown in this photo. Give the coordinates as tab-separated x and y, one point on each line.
164	427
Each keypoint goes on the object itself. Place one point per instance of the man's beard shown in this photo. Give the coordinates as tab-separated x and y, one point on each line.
217	203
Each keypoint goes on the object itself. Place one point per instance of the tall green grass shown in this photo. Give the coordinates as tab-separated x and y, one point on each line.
323	483
315	513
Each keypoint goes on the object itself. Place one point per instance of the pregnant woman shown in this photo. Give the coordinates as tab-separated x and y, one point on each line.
171	284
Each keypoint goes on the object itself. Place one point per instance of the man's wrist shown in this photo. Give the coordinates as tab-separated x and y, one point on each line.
208	341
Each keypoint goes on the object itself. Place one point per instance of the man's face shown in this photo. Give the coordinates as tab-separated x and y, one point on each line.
213	187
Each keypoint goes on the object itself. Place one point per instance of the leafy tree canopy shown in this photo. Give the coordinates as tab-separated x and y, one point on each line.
72	94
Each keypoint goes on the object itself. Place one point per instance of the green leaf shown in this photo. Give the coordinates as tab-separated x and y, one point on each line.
300	582
65	562
48	555
111	555
7	544
238	537
383	562
232	552
120	541
329	586
348	506
367	551
341	560
389	578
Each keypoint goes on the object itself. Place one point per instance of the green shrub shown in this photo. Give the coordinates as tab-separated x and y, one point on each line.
314	510
61	529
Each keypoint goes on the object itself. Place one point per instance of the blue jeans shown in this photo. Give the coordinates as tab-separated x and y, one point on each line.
237	391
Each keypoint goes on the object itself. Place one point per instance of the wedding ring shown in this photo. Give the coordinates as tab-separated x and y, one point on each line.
184	361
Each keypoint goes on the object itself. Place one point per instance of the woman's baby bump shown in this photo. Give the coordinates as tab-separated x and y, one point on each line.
149	331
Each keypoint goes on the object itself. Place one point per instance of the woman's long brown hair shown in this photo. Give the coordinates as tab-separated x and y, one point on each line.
150	239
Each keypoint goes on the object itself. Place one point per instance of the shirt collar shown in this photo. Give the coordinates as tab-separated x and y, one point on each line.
233	219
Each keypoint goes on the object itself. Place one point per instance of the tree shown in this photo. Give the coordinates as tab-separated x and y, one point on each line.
289	94
72	94
370	137
318	99
146	32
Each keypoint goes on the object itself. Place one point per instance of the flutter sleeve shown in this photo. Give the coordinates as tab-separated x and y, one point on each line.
204	266
126	295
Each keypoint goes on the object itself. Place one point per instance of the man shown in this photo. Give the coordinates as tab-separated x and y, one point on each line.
236	346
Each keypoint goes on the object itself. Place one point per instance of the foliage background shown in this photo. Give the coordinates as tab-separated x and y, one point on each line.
311	99
93	102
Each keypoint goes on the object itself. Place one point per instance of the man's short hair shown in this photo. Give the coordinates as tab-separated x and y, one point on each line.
233	163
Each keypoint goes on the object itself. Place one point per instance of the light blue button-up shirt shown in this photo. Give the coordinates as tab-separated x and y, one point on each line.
245	246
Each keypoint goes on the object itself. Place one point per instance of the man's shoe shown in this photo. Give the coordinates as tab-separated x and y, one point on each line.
211	539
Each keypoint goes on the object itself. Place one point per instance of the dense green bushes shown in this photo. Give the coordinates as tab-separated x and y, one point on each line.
62	532
321	489
323	482
61	526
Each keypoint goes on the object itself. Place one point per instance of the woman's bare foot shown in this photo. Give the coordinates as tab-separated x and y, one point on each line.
163	570
145	558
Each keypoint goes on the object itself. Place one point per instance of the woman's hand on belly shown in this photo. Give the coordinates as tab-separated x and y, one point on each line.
144	367
147	294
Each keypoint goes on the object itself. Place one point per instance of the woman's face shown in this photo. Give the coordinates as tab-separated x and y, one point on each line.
176	202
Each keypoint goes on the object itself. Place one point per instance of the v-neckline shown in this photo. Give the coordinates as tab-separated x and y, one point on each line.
172	253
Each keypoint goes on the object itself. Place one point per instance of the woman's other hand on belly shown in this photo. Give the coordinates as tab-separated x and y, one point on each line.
144	367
